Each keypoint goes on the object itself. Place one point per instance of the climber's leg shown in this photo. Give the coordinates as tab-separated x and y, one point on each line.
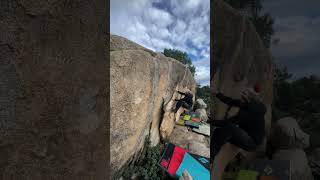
178	105
241	139
219	137
185	105
233	134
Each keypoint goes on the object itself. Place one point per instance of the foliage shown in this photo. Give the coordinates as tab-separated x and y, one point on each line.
204	93
180	56
247	6
283	99
301	95
262	22
264	27
297	98
147	167
281	74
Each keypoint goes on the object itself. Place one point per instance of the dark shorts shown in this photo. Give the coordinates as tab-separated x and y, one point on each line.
234	135
183	104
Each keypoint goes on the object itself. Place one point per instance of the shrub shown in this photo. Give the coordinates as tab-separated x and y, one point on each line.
147	166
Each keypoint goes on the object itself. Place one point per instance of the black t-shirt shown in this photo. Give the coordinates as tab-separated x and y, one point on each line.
250	117
188	98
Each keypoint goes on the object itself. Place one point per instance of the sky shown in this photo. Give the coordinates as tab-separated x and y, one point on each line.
297	25
159	24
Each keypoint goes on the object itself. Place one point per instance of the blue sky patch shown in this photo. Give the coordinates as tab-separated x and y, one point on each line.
159	24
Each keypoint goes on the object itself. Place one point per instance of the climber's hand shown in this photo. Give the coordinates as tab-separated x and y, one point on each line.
214	92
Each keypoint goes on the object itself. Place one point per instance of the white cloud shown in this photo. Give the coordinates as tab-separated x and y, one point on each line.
205	53
298	36
178	24
159	17
202	62
203	75
160	44
159	33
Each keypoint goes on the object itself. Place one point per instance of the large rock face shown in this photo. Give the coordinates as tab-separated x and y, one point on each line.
143	89
299	165
53	98
286	134
201	111
187	139
240	60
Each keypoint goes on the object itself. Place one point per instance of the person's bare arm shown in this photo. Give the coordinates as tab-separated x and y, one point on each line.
181	93
229	101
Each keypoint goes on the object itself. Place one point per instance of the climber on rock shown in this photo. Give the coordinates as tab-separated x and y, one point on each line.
186	101
246	129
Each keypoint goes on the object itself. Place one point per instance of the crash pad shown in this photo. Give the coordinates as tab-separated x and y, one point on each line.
186	117
175	160
247	175
194	168
196	119
172	158
192	114
268	178
275	168
180	122
192	124
203	129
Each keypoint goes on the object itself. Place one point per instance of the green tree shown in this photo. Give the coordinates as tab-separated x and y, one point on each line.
298	98
264	27
282	88
180	56
247	7
281	74
283	94
204	93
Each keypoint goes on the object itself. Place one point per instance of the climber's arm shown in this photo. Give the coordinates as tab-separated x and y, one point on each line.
229	101
181	93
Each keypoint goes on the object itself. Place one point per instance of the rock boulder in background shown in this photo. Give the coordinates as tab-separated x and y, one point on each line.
202	114
286	134
299	165
200	104
201	111
196	143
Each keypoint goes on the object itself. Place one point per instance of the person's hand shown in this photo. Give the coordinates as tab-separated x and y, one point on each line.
214	92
